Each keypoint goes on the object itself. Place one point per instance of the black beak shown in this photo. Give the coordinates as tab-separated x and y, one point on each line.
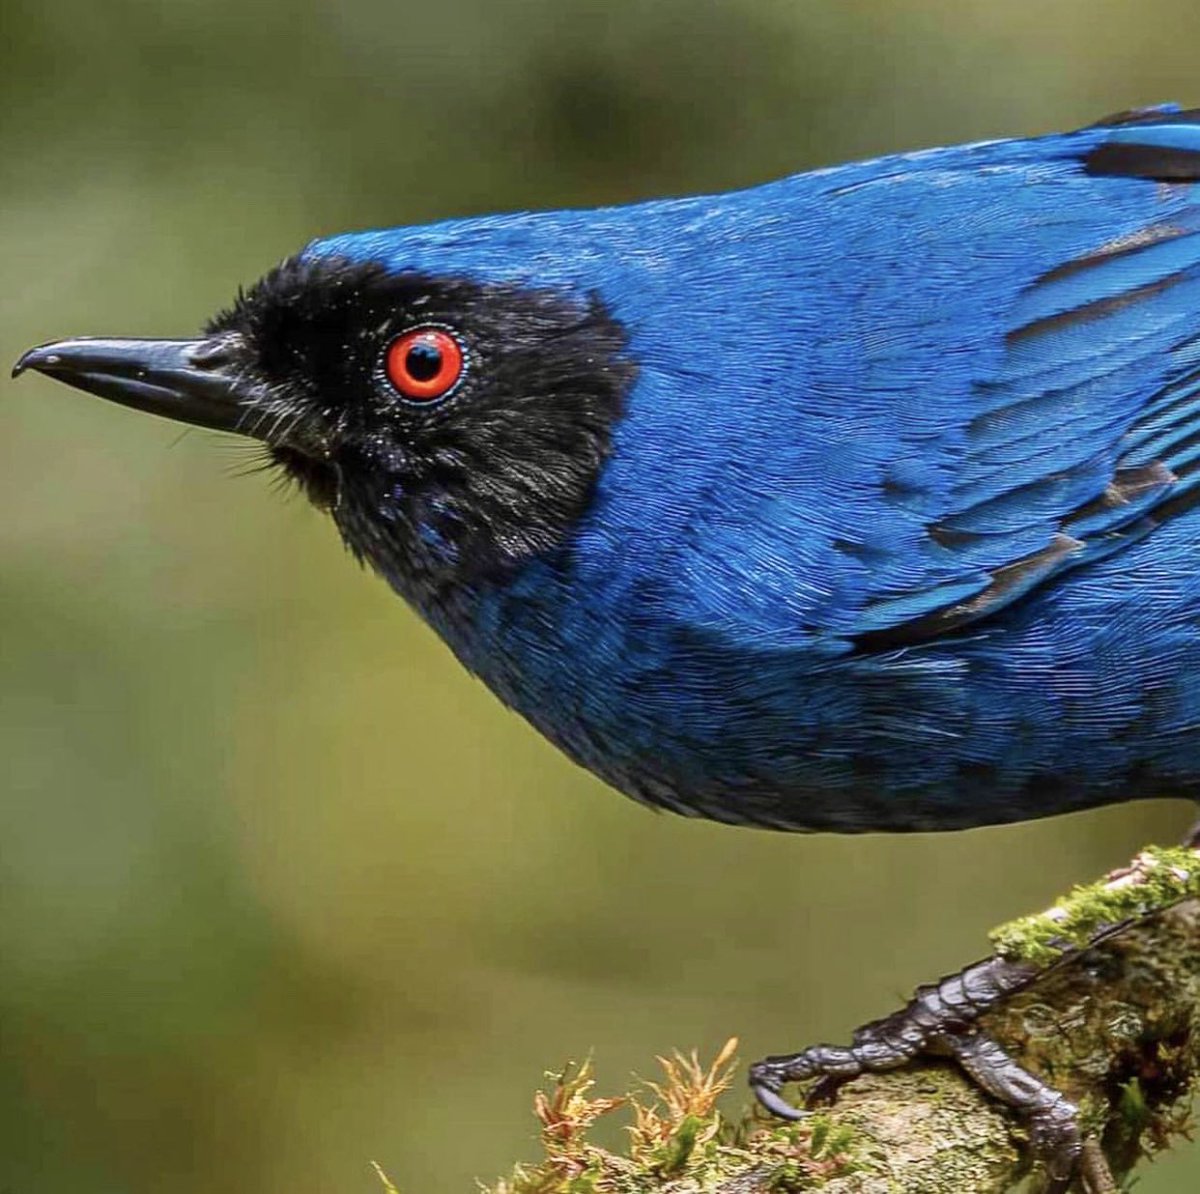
193	381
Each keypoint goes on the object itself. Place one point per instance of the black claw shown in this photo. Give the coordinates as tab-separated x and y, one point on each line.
943	1019
775	1103
940	1021
823	1091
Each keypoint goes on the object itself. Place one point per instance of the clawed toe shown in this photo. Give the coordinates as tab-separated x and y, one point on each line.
766	1078
1052	1119
775	1103
943	1021
824	1091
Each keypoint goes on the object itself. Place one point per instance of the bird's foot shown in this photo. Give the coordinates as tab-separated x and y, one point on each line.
942	1020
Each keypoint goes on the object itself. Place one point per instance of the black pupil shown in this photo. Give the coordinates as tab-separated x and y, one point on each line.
423	361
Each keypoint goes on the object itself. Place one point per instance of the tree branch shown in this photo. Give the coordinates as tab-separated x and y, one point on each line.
1115	1027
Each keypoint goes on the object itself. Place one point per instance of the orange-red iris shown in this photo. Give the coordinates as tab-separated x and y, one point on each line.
424	364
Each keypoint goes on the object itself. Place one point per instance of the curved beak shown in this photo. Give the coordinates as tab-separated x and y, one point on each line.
192	381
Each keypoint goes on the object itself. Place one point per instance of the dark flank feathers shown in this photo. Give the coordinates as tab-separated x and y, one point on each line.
861	500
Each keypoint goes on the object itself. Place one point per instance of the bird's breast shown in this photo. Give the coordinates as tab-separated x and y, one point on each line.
1076	697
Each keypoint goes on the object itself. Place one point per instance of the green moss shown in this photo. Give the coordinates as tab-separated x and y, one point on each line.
1167	876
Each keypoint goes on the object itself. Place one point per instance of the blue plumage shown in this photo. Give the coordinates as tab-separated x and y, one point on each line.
864	500
875	510
873	548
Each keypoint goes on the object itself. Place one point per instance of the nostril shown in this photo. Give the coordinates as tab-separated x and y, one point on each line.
213	354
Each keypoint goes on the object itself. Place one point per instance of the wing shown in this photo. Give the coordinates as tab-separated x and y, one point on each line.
1082	433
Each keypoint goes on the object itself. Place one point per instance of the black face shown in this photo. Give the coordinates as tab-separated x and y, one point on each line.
453	429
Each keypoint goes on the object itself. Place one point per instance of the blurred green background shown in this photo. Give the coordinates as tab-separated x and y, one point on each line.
281	889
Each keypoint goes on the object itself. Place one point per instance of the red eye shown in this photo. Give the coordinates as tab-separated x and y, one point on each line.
424	364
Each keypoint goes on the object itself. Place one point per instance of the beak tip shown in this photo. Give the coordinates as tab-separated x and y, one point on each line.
35	358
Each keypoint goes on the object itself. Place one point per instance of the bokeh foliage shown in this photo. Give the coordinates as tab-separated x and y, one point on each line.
281	889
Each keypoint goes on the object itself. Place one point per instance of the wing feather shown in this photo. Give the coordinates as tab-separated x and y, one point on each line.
1089	423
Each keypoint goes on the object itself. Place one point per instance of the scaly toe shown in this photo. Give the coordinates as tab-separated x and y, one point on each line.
764	1082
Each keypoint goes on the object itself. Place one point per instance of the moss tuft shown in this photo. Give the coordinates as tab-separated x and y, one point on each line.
677	1134
1160	879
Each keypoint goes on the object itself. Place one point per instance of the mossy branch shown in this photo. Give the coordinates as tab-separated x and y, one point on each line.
1116	1028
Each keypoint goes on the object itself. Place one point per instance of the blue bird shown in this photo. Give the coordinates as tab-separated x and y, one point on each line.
861	500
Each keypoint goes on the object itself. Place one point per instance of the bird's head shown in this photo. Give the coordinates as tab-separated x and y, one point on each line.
453	427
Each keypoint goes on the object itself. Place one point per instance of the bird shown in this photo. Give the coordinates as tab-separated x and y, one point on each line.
860	500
